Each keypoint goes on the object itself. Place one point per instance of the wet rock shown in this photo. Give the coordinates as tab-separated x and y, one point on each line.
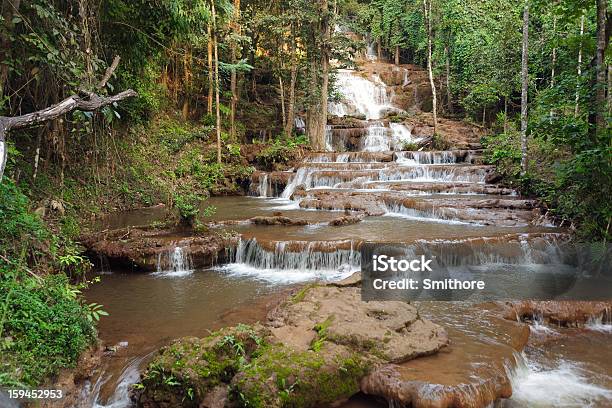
139	249
277	220
493	178
345	220
315	348
560	313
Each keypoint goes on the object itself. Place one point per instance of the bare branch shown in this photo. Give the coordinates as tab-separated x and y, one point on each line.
109	72
89	102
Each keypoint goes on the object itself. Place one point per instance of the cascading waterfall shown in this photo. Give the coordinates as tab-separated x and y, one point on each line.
376	140
329	138
176	262
294	261
425	157
562	385
360	96
264	186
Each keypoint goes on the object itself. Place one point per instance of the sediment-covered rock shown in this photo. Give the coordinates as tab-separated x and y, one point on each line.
312	352
142	249
559	313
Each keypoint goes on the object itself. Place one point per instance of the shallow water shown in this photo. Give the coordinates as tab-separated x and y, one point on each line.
147	311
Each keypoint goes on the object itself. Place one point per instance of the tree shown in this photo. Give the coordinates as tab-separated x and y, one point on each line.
524	86
600	83
428	25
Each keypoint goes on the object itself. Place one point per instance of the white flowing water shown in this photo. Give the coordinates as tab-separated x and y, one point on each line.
175	263
316	260
564	385
360	96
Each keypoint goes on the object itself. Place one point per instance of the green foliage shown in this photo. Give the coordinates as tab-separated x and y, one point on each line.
43	326
280	152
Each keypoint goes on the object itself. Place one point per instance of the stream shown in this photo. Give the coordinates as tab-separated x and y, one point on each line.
435	199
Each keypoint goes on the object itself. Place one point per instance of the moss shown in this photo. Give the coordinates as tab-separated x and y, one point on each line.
259	373
285	378
199	365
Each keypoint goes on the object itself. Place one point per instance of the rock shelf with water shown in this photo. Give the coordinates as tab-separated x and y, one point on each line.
313	351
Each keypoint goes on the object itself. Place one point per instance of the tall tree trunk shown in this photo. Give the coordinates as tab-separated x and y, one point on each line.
602	43
609	89
554	54
318	113
217	86
211	74
524	88
233	79
9	9
397	55
449	101
281	90
428	23
379	49
505	115
576	107
293	80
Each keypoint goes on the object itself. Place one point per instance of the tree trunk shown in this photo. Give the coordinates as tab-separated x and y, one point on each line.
211	81
602	42
317	117
609	89
505	115
449	101
576	107
217	87
554	55
9	9
524	88
291	107
428	23
281	90
233	79
379	49
397	55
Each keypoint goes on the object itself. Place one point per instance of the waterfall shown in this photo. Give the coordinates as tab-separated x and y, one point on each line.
562	385
400	136
264	186
174	263
121	396
302	176
328	138
376	140
427	157
293	261
299	123
360	96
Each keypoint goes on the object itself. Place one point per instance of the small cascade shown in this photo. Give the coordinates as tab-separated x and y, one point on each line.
174	263
294	261
438	174
299	124
601	323
121	396
264	186
565	384
427	157
506	249
329	138
301	177
401	135
377	139
360	96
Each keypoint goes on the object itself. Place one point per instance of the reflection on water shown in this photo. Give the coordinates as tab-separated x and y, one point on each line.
148	311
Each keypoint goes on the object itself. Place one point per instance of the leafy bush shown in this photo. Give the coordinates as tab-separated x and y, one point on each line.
44	324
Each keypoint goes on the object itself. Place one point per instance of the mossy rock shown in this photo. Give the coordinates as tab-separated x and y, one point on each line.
185	371
282	377
255	371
